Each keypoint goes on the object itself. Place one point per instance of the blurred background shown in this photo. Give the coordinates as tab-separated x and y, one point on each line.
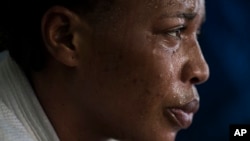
225	97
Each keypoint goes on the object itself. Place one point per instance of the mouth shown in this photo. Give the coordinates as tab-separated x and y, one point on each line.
182	116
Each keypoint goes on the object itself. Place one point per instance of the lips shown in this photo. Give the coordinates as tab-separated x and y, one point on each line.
182	116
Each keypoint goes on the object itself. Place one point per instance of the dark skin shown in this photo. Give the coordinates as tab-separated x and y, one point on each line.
120	77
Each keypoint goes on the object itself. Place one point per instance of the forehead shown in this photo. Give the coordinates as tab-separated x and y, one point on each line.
144	13
169	6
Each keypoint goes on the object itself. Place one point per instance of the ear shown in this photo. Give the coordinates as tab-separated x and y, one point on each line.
59	28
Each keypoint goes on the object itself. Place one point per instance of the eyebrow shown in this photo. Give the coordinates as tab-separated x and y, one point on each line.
188	16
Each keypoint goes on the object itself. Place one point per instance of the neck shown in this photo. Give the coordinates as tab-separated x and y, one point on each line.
54	90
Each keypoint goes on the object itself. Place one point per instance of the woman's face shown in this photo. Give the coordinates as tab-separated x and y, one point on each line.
138	75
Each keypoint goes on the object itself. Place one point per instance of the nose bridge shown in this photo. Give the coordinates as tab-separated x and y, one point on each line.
195	69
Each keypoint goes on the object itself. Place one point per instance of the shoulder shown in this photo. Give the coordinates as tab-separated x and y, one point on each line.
11	129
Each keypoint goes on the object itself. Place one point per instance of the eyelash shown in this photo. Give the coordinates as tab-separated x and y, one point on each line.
198	33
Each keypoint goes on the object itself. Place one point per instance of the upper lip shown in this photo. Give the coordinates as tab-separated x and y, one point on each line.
182	115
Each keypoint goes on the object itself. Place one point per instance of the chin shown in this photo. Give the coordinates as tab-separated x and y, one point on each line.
153	137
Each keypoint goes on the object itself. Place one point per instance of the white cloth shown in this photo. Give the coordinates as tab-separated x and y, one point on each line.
21	115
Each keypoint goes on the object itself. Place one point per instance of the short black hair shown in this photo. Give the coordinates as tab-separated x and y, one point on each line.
21	28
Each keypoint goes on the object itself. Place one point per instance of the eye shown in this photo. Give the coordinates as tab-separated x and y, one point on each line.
176	32
198	33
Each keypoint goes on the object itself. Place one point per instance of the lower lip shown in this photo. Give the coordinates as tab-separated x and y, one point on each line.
181	118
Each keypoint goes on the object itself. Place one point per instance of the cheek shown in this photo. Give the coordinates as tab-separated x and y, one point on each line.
129	84
137	71
132	79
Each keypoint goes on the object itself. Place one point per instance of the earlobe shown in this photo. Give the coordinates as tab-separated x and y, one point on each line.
57	25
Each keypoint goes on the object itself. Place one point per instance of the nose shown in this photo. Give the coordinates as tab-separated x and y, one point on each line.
195	70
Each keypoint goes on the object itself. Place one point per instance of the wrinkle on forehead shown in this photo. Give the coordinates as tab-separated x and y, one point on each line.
189	5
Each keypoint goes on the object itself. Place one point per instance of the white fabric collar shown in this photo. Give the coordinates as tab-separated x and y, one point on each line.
19	106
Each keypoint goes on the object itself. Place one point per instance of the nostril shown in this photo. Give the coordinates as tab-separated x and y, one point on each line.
195	80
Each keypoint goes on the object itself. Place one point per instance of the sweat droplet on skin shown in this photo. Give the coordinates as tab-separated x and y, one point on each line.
183	98
154	51
150	3
161	76
182	95
171	49
174	96
163	45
